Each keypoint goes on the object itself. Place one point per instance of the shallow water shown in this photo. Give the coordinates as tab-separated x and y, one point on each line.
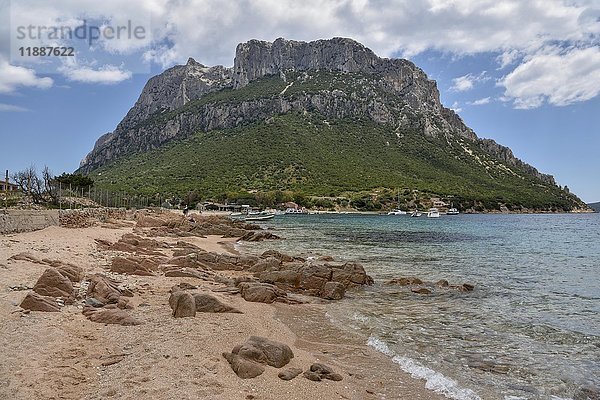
529	330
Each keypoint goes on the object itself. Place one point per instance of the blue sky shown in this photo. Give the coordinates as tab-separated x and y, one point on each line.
525	73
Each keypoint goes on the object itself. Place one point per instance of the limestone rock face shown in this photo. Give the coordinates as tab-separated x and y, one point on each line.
393	91
177	86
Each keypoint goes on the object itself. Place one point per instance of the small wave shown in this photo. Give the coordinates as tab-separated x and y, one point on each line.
434	380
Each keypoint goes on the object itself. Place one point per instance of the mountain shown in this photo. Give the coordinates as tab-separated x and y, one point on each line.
324	118
595	206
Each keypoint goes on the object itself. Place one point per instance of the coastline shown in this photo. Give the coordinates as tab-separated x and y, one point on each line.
52	355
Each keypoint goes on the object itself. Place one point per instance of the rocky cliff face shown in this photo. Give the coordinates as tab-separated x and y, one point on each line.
390	91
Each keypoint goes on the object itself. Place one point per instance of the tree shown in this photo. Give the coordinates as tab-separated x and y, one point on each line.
41	189
75	180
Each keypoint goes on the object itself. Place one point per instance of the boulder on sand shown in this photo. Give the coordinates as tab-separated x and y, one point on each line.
260	292
109	316
131	266
265	351
243	367
104	289
208	303
37	302
333	291
320	371
183	304
54	284
289	374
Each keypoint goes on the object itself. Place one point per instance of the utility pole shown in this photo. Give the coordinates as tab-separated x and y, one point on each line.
6	192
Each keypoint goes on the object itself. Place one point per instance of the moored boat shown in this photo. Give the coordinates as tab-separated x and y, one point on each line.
259	216
433	213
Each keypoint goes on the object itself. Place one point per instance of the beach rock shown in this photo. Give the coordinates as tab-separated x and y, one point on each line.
421	290
184	273
442	283
71	271
466	287
124	304
188	261
314	276
243	367
104	289
54	284
109	316
36	302
265	264
183	304
325	372
288	277
326	258
183	286
312	376
210	304
132	266
94	302
265	351
405	281
260	292
259	236
333	291
289	374
351	274
278	255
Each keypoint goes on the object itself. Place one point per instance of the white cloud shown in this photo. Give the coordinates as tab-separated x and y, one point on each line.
557	77
11	108
456	107
12	77
480	102
107	74
467	82
516	32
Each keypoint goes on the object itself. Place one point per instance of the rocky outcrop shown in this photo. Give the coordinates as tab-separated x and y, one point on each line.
386	91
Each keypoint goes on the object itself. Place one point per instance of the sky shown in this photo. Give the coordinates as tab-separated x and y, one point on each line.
525	73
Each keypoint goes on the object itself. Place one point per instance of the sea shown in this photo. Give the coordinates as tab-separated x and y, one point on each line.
530	329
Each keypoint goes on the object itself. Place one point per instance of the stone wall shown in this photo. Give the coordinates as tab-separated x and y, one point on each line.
13	221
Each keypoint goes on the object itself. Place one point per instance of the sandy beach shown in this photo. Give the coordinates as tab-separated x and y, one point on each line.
64	355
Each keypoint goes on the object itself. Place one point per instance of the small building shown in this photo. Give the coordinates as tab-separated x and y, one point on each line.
437	202
8	187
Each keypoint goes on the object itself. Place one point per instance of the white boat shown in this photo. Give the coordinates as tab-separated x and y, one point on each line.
433	213
295	211
397	212
259	216
416	213
452	211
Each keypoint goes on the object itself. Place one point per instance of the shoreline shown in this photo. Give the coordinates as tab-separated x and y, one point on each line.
51	355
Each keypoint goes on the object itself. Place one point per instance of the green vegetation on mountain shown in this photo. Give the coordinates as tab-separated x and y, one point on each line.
306	155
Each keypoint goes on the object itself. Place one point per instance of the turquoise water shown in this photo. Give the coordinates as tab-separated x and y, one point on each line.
529	330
